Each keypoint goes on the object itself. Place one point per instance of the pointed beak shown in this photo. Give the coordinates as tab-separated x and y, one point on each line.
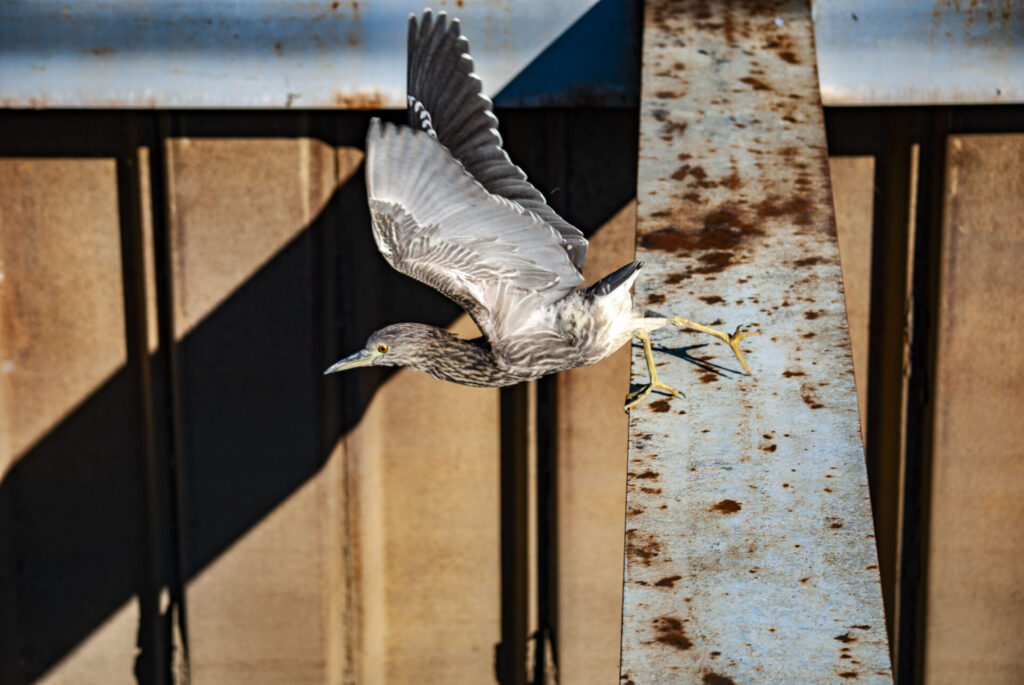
360	358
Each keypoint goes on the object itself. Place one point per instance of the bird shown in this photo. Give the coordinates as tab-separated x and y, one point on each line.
449	208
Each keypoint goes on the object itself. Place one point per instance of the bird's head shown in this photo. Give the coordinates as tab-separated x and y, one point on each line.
396	345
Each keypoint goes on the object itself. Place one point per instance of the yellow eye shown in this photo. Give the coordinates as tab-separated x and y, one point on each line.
382	348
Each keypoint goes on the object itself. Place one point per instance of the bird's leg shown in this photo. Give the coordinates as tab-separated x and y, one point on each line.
633	398
733	340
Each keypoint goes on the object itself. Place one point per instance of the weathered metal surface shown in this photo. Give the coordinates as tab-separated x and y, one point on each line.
62	358
235	206
266	190
261	53
975	568
425	508
328	53
61	299
853	194
590	499
922	52
749	547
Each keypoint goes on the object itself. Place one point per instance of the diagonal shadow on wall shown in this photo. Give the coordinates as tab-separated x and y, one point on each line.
258	419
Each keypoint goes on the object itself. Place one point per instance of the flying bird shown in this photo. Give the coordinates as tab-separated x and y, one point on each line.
450	209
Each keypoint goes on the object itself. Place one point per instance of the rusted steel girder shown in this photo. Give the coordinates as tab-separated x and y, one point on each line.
750	553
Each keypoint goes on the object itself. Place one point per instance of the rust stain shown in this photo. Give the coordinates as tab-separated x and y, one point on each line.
714	262
642	548
669	128
648	474
848	674
670	631
727	506
676	277
668	581
755	83
723	229
712	678
732	181
809	398
711	299
655	298
687	170
846	638
797	208
359	100
709	378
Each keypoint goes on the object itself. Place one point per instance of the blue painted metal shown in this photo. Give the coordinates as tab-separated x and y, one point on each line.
344	54
904	52
265	53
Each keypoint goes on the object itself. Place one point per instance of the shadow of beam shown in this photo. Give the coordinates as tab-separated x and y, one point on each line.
258	419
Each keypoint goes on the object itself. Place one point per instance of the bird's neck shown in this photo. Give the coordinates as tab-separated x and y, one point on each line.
450	358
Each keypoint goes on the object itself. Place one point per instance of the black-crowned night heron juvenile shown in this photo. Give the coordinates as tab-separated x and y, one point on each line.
450	209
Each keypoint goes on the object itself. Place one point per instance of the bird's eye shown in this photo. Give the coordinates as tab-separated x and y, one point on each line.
382	348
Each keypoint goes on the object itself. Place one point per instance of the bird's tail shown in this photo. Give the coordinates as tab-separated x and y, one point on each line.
625	275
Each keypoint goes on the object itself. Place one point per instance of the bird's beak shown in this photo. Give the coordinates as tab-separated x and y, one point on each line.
360	358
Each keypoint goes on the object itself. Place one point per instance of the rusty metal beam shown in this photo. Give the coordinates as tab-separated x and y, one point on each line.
154	54
331	54
919	52
750	552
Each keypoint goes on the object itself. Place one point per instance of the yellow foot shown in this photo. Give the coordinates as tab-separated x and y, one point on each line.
634	398
733	340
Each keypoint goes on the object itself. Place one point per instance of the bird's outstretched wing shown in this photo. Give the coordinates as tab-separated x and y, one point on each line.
446	99
433	221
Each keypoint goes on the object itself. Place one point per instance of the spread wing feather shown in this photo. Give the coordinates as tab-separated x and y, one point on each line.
433	221
446	99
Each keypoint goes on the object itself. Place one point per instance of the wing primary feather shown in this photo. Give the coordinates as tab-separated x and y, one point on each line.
442	81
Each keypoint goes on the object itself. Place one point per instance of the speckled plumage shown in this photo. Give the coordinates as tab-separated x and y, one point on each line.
581	329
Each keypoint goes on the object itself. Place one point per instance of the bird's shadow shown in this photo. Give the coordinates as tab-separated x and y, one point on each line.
684	353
